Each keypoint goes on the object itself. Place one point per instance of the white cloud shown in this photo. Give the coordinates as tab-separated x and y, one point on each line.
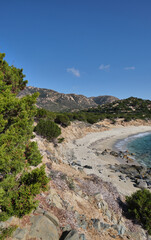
74	71
129	68
104	67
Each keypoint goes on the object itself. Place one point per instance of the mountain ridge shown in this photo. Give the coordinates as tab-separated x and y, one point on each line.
55	101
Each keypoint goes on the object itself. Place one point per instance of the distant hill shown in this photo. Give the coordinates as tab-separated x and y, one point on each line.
104	99
55	101
130	108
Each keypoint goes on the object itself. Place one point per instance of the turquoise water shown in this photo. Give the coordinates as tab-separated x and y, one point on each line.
140	145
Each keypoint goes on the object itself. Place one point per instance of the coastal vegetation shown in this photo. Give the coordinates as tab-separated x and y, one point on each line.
139	208
129	109
18	184
47	129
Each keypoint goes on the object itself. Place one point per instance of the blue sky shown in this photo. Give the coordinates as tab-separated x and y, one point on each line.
90	47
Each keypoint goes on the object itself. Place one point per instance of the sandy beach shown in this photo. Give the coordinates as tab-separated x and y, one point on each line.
87	151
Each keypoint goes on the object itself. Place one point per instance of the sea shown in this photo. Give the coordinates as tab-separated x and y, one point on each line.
140	145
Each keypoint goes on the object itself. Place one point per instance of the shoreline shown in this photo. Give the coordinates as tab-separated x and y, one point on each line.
86	153
117	147
129	139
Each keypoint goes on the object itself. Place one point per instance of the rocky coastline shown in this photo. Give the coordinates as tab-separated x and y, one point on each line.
84	200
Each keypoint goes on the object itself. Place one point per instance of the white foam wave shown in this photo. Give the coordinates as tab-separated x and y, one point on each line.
122	144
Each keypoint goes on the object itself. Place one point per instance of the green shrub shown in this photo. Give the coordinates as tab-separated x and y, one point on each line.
20	199
16	151
32	154
37	176
92	119
60	140
48	129
139	208
63	120
23	201
7	232
43	113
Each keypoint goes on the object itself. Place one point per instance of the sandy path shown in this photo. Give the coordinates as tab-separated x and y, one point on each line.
87	151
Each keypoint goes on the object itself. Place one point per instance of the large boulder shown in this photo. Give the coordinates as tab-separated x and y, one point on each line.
43	228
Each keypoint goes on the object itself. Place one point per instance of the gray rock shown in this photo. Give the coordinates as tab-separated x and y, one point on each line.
98	197
20	233
67	228
96	224
72	235
76	164
48	153
113	153
39	210
122	178
2	225
136	235
82	237
82	223
43	228
103	205
120	229
112	167
108	214
104	225
49	165
142	184
52	218
80	169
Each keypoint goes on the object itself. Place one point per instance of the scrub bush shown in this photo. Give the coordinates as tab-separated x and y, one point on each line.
32	154
48	129
63	120
139	208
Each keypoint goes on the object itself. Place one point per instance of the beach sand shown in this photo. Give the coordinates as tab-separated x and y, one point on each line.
87	151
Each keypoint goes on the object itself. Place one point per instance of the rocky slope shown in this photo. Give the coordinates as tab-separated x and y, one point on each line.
103	99
54	101
76	206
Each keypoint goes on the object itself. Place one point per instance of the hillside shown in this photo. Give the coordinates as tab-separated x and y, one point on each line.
130	108
100	100
55	101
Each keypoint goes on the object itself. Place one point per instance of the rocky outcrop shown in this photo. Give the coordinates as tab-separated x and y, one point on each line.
139	175
104	99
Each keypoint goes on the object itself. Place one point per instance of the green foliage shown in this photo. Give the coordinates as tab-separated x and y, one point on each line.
16	150
139	207
37	176
92	118
32	154
16	129
43	114
48	129
7	232
11	75
63	120
60	140
128	109
18	199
